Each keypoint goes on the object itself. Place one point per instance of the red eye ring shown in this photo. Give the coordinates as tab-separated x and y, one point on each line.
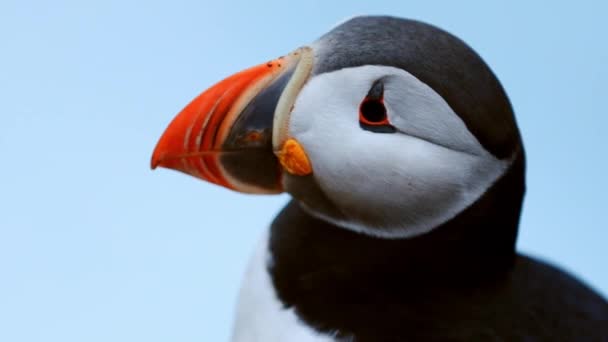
372	112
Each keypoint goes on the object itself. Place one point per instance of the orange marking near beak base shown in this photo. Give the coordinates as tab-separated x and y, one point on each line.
294	159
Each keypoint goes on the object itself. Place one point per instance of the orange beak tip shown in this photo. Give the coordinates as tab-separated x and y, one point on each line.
156	160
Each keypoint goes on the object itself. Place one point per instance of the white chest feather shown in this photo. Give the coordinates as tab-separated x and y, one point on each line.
260	316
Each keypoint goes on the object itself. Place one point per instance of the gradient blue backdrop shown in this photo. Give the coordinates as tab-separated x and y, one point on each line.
96	247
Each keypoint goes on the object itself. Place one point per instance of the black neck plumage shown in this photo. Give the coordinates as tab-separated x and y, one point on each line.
339	280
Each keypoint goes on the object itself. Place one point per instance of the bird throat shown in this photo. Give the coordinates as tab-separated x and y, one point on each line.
336	279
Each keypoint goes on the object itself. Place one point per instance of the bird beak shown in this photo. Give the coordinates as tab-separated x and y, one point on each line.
233	133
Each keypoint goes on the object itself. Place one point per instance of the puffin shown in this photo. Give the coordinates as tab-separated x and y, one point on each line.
406	170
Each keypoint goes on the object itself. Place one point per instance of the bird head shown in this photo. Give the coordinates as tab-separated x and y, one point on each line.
384	126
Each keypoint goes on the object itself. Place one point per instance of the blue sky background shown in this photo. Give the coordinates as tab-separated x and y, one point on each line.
96	247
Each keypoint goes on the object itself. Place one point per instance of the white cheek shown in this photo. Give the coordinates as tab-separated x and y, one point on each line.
410	188
396	183
386	184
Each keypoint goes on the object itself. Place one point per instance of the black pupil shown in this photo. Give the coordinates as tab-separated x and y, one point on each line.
373	111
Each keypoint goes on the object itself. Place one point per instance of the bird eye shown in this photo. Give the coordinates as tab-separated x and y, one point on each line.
372	112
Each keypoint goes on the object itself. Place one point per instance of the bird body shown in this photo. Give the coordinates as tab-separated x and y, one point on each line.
527	300
401	151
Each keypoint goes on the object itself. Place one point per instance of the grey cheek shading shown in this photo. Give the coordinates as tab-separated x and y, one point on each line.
376	92
420	112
